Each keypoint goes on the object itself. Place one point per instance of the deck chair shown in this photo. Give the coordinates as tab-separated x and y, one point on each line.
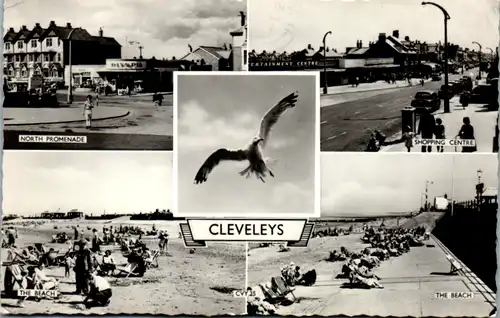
455	266
153	261
270	295
128	269
279	284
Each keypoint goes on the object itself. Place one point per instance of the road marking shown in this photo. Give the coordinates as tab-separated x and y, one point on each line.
390	121
323	122
335	136
356	113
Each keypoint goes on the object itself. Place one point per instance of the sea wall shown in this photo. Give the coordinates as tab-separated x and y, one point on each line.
469	232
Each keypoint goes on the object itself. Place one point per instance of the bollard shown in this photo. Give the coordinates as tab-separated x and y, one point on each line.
409	119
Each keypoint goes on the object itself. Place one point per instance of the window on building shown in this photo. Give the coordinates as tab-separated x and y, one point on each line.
18	73
59	57
58	42
37	71
11	72
24	73
20	45
7	46
34	43
245	57
18	58
46	57
48	42
31	58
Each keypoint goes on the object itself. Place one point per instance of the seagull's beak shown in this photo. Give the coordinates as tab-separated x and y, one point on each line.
260	140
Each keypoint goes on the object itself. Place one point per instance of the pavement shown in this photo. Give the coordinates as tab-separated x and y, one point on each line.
366	87
347	118
482	120
34	116
410	281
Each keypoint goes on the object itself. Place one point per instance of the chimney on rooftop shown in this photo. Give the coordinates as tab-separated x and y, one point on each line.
11	30
243	18
381	37
37	25
309	47
24	28
360	44
68	25
395	34
190	48
101	32
225	46
230	47
52	23
407	38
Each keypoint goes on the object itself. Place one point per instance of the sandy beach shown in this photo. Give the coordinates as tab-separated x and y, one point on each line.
184	283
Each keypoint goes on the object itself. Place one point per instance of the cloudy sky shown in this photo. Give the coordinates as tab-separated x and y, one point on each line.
163	27
118	182
288	25
359	184
225	112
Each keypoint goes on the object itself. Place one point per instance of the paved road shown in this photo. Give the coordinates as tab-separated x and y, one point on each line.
95	141
344	126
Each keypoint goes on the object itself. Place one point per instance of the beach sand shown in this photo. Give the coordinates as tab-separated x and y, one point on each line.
184	283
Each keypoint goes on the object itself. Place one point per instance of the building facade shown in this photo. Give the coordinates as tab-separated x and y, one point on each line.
229	57
47	51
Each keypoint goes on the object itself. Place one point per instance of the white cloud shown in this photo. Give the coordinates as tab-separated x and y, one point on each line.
199	130
293	195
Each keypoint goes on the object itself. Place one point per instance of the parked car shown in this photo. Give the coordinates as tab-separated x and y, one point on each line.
436	77
485	94
426	100
466	83
446	91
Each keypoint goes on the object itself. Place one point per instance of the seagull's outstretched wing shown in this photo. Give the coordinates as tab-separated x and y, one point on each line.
214	159
271	117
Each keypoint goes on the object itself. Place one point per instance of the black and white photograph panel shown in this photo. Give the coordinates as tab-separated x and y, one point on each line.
399	235
246	144
395	74
93	233
98	75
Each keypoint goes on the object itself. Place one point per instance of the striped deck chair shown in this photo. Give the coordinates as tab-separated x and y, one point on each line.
279	284
153	261
128	269
270	295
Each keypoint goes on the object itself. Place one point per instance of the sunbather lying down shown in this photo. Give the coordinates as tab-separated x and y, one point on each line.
257	306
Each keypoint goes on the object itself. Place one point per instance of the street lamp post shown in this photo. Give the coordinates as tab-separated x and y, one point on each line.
325	78
480	57
427	182
70	86
492	53
446	18
479	188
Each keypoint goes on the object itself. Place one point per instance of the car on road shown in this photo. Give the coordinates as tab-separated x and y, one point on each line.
466	82
446	91
426	100
486	94
436	77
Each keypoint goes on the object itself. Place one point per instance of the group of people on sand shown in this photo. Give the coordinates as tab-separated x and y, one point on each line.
385	243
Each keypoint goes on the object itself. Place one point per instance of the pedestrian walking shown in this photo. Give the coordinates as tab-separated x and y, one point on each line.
408	138
426	128
422	82
87	111
439	133
467	133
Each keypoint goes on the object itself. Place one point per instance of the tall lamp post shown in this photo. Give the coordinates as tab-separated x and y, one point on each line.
325	78
480	57
446	18
427	182
70	86
492	53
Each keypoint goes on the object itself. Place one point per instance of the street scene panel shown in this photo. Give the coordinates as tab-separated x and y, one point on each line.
246	144
111	229
75	79
393	83
399	235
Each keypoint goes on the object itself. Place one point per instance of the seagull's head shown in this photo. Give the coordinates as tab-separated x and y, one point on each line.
256	140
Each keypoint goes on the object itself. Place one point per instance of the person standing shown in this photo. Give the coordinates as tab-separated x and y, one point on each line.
87	111
426	128
440	133
83	268
96	241
467	133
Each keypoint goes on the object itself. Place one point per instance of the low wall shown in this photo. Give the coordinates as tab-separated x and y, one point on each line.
470	234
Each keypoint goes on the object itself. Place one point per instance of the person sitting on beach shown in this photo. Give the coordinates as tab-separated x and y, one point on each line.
100	292
108	263
39	277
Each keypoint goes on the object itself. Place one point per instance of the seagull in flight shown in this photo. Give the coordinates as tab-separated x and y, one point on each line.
253	153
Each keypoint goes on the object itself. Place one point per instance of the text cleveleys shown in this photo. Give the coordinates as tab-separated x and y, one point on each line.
246	229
